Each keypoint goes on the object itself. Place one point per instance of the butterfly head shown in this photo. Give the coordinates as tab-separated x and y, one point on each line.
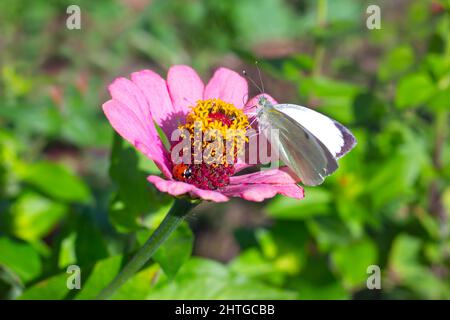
263	104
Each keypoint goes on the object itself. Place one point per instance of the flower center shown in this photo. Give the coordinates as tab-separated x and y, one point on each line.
217	132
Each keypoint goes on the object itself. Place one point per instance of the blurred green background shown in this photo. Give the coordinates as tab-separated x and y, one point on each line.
71	192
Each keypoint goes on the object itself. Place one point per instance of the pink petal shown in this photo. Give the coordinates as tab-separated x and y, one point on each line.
273	176
145	139
241	166
228	86
128	94
185	88
155	91
177	188
259	192
250	106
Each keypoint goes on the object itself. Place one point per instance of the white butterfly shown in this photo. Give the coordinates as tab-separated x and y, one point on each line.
309	143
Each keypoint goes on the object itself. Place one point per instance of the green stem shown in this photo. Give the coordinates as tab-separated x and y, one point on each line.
322	8
173	219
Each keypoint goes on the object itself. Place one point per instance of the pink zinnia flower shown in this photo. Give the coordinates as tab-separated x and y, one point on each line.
147	98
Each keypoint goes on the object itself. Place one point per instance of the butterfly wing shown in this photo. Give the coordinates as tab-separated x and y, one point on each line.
337	138
298	147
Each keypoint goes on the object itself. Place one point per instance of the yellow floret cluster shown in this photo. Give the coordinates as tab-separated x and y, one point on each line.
220	128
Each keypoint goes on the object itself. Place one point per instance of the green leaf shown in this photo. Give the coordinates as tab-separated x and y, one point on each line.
316	202
267	243
9	163
102	274
283	253
79	123
317	282
414	90
139	286
332	290
329	232
21	258
369	110
67	251
204	279
438	65
53	288
154	48
427	285
85	130
285	245
135	197
335	98
253	264
440	101
395	179
16	84
175	251
89	244
403	258
397	61
57	181
93	281
328	88
34	216
404	264
248	15
351	262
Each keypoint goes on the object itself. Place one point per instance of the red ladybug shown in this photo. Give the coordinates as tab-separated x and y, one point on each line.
181	172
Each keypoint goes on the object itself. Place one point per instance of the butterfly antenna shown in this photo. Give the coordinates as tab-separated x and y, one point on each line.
259	75
251	80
